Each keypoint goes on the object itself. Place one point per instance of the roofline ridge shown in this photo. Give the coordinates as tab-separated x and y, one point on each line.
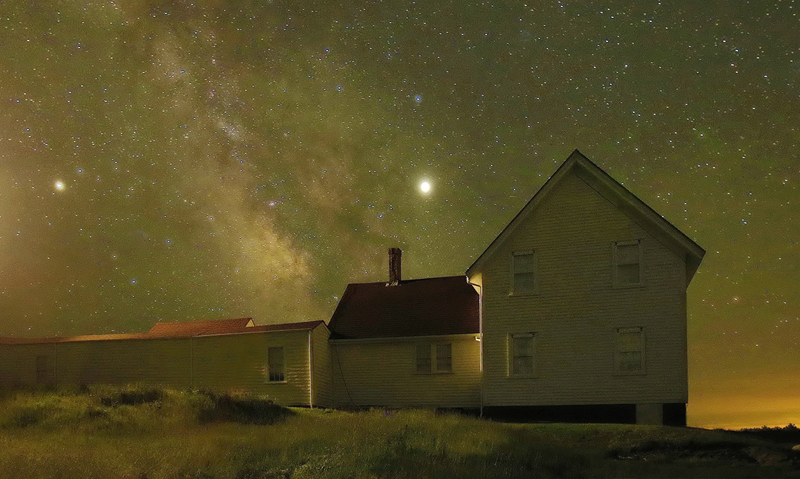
407	280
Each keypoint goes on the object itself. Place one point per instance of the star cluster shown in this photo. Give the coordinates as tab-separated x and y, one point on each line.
172	160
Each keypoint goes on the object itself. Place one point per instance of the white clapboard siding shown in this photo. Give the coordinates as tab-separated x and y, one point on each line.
576	309
232	362
156	361
322	387
18	363
239	362
382	373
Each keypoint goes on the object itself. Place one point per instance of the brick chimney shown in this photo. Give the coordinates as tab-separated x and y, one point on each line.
394	266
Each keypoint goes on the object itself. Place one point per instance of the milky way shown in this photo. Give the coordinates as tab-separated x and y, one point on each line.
169	161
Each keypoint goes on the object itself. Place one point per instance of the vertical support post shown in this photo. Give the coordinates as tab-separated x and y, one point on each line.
191	362
480	337
310	373
55	364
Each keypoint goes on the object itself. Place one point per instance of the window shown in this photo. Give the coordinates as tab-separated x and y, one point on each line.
443	352
277	372
630	351
627	263
423	358
444	358
523	273
520	354
41	370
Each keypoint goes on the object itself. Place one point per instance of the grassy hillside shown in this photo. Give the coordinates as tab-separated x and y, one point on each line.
154	433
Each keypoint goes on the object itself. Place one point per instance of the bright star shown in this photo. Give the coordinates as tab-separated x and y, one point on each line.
425	187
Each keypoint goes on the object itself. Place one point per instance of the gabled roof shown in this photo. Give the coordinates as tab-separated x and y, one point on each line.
421	307
183	329
610	189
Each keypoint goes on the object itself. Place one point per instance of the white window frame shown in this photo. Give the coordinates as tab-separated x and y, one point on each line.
422	358
428	354
512	355
616	264
514	290
280	376
444	362
620	349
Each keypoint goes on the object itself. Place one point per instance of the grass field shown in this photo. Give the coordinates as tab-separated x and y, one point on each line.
139	432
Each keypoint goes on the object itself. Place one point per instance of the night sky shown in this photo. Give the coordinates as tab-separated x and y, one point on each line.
172	161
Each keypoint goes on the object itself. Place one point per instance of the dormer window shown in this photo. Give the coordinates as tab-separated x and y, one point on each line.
523	273
627	257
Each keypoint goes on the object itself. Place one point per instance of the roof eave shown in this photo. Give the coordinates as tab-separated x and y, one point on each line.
382	339
667	233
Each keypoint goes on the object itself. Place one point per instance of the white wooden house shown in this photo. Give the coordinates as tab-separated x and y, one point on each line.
581	315
584	302
576	311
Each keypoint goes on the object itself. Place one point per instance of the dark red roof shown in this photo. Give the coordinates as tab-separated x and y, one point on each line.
420	307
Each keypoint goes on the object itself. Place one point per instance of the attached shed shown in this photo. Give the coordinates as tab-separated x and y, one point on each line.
288	362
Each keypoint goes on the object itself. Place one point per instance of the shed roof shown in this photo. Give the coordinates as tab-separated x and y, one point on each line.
420	307
182	329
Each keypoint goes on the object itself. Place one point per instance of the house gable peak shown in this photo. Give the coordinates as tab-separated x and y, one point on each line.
618	195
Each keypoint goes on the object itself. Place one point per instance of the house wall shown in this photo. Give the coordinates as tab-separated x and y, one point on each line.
239	362
155	361
85	362
576	309
225	362
382	373
18	363
322	368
